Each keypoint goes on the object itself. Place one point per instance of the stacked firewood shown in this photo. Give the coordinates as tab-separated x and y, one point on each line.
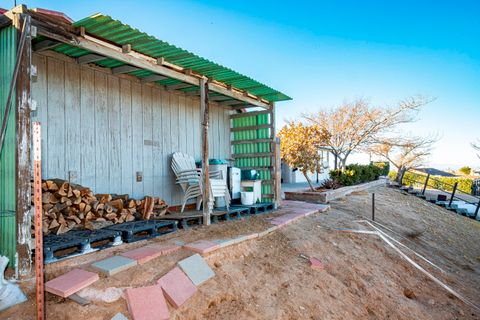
68	206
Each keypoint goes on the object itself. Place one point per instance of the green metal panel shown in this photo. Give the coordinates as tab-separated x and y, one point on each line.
7	157
119	33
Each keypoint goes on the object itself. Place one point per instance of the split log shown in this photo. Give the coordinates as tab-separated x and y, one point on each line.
148	208
68	206
117	204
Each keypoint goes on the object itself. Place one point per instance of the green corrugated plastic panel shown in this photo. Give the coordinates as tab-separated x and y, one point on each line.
254	147
7	157
117	32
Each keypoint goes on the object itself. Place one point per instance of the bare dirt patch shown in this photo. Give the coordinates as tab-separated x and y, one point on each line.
267	279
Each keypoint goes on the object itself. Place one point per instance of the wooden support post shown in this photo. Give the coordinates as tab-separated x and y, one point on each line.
277	191
277	173
204	109
373	206
23	140
453	195
426	184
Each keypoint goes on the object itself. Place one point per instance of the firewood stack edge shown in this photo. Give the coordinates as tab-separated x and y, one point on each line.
68	206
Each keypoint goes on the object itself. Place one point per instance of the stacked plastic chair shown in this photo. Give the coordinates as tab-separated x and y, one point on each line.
189	178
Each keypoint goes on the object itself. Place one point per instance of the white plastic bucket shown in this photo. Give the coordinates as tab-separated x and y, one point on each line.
247	198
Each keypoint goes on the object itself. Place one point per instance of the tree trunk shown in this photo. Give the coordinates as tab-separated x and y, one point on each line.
305	173
400	173
335	162
343	164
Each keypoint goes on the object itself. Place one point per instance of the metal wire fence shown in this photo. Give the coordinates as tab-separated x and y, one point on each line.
452	191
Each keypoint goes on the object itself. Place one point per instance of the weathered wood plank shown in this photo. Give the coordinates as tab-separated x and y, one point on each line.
182	124
114	136
175	140
167	174
126	136
204	106
197	128
137	147
189	127
101	134
72	129
158	153
39	94
23	159
87	127
56	119
147	140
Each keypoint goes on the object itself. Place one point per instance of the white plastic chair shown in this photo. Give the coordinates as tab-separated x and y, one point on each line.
189	177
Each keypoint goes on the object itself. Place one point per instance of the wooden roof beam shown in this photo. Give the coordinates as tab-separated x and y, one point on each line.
134	58
91	57
124	69
153	78
229	102
218	98
178	86
45	45
193	93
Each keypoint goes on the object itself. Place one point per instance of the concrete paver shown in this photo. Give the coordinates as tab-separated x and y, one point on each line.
113	265
147	303
142	254
197	269
71	282
202	246
176	285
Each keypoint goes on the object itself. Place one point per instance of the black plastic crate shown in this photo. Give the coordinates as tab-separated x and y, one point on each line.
135	230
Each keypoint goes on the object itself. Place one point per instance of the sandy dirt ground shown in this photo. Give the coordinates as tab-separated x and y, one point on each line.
266	278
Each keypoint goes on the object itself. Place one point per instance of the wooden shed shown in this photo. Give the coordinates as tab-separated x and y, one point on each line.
114	103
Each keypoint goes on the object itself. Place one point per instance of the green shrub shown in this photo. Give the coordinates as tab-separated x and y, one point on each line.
384	166
435	182
355	174
466	170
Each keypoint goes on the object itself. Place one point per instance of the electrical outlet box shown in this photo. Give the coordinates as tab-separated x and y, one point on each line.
139	176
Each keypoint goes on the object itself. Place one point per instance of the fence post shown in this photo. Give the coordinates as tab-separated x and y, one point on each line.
453	194
373	206
476	210
426	183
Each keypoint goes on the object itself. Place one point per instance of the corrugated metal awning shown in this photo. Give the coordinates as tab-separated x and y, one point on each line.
116	32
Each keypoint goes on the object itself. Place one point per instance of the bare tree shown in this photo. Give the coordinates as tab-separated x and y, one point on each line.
476	146
404	153
355	125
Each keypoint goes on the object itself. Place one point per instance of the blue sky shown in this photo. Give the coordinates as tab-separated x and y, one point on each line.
322	53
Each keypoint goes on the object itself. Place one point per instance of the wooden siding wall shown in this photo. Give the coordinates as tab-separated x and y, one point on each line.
100	129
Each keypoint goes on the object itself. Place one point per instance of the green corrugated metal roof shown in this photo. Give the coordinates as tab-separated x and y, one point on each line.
115	31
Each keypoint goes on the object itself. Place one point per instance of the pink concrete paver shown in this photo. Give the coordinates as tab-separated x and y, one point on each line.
165	248
147	303
202	246
178	288
316	264
71	282
142	254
